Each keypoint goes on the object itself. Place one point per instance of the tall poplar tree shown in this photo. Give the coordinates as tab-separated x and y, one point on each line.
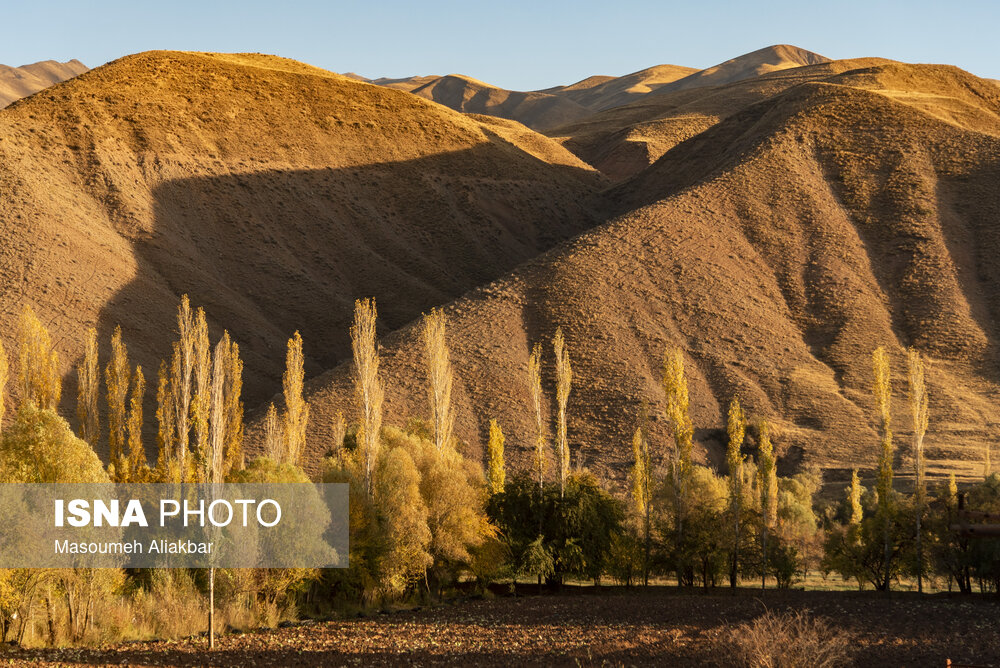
919	416
88	389
736	425
368	388
564	380
882	390
117	375
439	378
296	409
496	472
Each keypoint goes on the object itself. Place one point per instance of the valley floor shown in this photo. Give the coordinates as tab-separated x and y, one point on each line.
586	627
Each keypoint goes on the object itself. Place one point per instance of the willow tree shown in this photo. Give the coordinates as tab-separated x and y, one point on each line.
88	389
676	390
496	472
535	391
642	487
137	467
368	388
439	378
296	408
767	477
117	375
736	425
882	390
564	379
919	415
38	374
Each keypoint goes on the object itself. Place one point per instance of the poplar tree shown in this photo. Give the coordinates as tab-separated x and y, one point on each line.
439	377
182	368
496	471
535	390
676	390
233	407
213	406
854	492
117	375
642	486
768	486
882	389
273	446
216	461
165	415
88	389
202	377
368	386
919	416
736	429
38	371
136	452
564	379
296	409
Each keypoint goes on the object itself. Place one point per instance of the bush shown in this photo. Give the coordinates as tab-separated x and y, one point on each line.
791	640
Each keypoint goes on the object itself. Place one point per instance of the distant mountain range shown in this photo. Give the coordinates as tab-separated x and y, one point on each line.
18	82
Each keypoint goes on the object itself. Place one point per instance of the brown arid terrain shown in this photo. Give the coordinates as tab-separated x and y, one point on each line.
534	109
778	248
18	82
274	193
584	628
797	220
601	92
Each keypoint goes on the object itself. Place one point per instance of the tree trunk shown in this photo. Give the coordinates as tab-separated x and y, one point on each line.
920	557
211	608
763	563
645	559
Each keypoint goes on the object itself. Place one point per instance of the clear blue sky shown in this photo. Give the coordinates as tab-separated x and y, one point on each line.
513	44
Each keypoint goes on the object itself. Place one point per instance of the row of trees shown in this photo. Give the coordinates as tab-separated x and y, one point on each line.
423	514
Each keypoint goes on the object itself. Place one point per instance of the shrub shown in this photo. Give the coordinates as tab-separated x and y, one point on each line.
791	640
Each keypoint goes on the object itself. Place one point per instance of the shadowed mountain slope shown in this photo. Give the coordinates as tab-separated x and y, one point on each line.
272	192
778	248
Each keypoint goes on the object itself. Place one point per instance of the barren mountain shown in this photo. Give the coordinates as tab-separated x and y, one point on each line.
534	109
598	92
18	82
274	193
778	248
762	61
406	83
625	140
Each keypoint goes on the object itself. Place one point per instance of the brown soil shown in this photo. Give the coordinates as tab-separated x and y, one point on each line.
588	628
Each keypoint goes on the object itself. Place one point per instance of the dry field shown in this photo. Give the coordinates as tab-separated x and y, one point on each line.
586	627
